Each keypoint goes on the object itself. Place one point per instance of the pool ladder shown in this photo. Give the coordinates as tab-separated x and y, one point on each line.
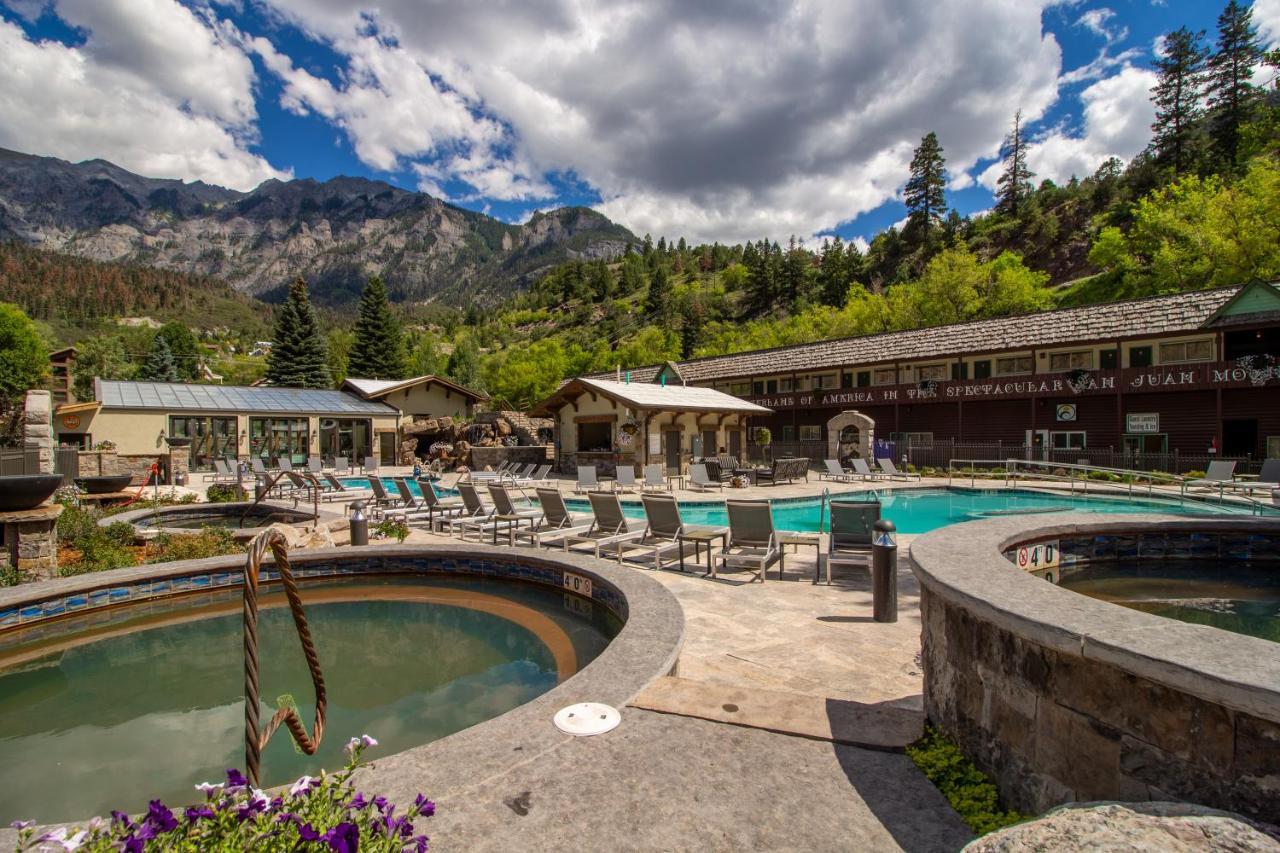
255	739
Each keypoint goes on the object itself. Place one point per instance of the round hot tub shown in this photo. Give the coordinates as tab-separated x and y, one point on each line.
244	519
128	685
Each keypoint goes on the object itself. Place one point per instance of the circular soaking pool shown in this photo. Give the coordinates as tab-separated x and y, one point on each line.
244	519
134	690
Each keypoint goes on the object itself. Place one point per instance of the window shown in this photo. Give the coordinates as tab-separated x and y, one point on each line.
786	386
914	439
1013	365
810	432
935	372
884	376
740	389
982	369
271	438
1075	360
846	380
595	436
1067	440
788	433
960	370
864	378
1109	359
349	437
211	438
1186	351
825	382
1140	357
771	387
757	387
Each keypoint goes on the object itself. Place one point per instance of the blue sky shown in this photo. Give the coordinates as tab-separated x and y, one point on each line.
717	121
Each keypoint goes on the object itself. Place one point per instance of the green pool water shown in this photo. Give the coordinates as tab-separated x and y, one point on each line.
148	705
1238	596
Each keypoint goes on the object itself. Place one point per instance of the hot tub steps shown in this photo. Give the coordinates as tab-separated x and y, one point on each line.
888	726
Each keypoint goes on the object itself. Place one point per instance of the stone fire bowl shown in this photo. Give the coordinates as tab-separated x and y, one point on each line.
102	485
27	491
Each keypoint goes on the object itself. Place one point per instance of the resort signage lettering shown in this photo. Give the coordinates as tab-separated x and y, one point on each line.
1072	383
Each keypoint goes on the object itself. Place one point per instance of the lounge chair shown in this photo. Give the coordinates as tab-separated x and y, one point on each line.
700	480
224	471
381	500
587	480
655	479
892	472
337	491
1220	474
835	471
284	463
863	470
557	522
477	515
1267	480
299	484
784	469
539	475
666	531
370	466
315	465
408	499
257	466
341	465
507	516
753	541
625	479
609	529
436	506
727	464
851	530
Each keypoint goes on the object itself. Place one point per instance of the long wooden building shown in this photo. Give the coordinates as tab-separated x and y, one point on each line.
1193	374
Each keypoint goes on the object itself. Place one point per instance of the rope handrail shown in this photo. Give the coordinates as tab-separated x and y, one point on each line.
254	739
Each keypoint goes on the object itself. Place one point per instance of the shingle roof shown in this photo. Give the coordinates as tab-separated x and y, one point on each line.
174	397
647	395
1151	316
377	387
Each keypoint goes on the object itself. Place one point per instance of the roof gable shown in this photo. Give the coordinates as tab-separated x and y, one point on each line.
1256	297
375	388
649	396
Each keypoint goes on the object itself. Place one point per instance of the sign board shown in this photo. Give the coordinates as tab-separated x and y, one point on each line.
1142	422
1066	412
1042	555
655	443
577	584
70	421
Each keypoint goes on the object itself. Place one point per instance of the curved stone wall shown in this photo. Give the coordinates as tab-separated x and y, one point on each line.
1065	698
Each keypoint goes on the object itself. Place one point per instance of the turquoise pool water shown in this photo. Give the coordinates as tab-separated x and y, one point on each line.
147	705
922	510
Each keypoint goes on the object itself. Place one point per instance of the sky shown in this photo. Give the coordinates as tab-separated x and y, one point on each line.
712	120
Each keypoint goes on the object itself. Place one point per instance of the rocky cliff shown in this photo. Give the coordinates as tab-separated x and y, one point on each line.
336	233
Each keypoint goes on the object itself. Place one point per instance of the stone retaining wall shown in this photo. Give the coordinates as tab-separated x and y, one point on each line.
492	457
1065	698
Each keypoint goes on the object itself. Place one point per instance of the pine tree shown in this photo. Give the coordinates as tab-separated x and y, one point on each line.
833	274
925	192
299	357
159	366
1014	184
464	363
691	331
1232	95
378	351
657	303
1177	96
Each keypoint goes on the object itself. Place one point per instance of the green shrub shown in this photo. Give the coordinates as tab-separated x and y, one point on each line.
77	523
390	528
98	552
221	493
209	542
120	532
969	791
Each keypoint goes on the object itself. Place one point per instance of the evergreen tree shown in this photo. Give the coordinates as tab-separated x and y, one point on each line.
464	363
159	366
378	350
183	348
691	331
795	274
833	276
1014	184
657	303
924	193
298	357
1176	96
1232	95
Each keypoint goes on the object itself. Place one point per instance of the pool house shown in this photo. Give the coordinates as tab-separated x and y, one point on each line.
1165	382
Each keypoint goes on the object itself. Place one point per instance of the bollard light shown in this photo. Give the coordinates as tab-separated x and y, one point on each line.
884	571
359	524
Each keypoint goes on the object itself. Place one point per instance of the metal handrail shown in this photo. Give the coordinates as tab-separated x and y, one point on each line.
254	740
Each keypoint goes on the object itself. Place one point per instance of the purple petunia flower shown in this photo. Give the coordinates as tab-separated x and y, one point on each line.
303	786
307	832
133	844
423	806
358	802
381	802
343	838
235	779
161	817
122	818
22	824
195	814
368	740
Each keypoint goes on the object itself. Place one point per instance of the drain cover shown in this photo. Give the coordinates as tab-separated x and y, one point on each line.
587	718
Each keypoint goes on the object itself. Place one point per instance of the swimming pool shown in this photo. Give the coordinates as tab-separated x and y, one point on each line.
150	701
923	510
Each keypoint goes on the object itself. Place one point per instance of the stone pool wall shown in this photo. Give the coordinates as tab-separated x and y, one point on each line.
1064	698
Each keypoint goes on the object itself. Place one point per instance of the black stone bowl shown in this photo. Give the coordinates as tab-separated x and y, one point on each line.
27	491
102	485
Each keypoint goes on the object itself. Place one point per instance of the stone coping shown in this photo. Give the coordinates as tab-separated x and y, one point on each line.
645	649
331	520
965	565
43	512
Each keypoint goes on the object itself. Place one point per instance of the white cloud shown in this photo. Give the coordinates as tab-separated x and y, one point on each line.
1099	22
1101	65
712	120
1266	15
155	87
1116	123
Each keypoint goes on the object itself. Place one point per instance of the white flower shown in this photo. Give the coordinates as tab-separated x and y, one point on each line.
259	797
59	837
368	741
303	785
207	788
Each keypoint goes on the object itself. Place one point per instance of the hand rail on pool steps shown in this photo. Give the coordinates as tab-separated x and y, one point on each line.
255	742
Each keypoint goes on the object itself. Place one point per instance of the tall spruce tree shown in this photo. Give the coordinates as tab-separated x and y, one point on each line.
1232	95
159	366
925	192
299	357
378	350
1177	98
657	302
1014	184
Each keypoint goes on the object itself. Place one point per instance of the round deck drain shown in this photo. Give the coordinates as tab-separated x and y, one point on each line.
587	718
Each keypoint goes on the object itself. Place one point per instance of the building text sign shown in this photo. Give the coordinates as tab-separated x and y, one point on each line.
1141	422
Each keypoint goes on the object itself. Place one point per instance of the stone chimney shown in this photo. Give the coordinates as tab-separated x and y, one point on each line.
37	428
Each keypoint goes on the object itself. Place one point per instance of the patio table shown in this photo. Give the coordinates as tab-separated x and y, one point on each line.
700	536
798	539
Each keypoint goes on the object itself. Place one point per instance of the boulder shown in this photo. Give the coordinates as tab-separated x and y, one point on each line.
1167	827
504	428
301	538
445	423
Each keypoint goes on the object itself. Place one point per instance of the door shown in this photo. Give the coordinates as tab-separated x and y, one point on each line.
386	448
709	447
673	451
735	444
1038	444
1240	437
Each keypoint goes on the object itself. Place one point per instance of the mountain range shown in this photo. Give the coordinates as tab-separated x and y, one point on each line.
335	233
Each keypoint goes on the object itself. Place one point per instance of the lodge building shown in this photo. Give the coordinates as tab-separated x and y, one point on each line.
1193	373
